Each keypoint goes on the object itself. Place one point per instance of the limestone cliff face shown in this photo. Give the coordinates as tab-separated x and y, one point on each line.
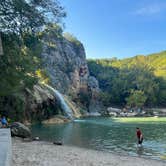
65	61
40	104
66	65
94	105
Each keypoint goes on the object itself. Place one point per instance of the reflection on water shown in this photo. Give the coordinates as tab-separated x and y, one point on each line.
140	150
108	135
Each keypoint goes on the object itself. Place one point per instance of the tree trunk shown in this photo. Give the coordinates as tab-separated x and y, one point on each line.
1	48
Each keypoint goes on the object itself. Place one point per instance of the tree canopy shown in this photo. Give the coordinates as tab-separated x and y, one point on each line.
136	81
21	24
20	16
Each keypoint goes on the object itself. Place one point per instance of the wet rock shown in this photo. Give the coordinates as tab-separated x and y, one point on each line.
36	139
57	143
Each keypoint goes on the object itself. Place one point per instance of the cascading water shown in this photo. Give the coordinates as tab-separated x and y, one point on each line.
65	108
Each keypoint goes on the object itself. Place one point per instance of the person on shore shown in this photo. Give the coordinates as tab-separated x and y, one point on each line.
139	136
4	122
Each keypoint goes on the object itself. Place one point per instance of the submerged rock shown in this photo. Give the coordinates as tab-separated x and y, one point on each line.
20	130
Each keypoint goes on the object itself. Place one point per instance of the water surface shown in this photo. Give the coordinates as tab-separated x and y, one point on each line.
110	135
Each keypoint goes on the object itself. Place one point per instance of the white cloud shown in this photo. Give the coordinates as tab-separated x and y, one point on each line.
150	9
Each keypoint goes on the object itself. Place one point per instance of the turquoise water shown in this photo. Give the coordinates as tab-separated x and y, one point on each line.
110	135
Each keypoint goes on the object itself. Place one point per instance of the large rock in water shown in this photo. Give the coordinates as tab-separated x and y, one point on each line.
20	130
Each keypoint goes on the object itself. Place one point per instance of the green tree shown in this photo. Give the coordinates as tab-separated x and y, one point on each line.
18	66
136	98
72	38
20	16
118	77
20	21
105	98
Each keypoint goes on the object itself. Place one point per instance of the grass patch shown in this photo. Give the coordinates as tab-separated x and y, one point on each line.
140	120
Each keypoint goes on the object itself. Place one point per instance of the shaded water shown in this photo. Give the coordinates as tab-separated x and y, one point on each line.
110	135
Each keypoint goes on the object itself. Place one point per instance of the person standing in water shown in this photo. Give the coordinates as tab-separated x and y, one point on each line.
139	136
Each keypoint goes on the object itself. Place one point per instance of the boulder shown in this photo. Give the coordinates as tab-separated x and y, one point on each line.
20	130
114	114
56	120
111	109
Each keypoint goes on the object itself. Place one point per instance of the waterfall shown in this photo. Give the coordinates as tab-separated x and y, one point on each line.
65	108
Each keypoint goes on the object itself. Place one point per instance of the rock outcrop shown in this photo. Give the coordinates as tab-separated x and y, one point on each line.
20	130
66	65
65	61
56	120
40	104
95	104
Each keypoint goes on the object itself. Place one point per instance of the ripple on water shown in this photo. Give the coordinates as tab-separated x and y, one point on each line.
110	135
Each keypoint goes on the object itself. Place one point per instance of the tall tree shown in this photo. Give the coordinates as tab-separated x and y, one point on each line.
20	16
1	48
20	21
137	99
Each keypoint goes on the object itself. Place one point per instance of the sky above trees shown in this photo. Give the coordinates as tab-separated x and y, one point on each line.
117	28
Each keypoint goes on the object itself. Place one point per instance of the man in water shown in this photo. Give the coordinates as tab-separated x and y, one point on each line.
139	136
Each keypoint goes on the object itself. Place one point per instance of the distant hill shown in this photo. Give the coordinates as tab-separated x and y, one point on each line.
155	61
118	77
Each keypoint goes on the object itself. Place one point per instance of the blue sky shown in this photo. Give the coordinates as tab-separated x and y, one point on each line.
117	28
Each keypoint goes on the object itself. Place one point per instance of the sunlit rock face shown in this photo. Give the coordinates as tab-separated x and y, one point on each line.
95	105
37	103
67	67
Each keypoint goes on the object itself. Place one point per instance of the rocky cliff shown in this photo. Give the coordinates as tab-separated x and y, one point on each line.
66	64
65	61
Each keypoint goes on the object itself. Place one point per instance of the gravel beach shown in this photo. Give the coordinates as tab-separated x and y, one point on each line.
46	154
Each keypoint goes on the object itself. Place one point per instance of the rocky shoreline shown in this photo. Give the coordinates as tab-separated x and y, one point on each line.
39	153
146	112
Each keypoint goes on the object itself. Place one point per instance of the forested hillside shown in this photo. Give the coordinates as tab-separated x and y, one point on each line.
21	23
136	82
